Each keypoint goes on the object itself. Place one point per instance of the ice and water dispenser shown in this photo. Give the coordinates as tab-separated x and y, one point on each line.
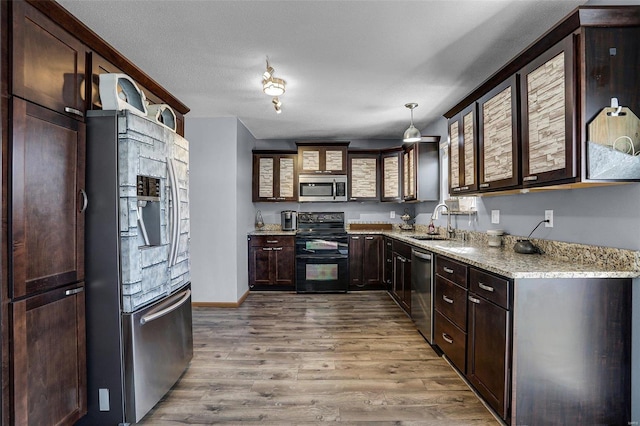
149	212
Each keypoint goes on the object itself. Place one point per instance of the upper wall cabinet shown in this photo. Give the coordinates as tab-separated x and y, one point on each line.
547	88
364	176
391	179
498	142
48	62
274	176
463	157
565	129
322	157
421	170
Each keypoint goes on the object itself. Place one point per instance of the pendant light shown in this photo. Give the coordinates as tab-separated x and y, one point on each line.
411	134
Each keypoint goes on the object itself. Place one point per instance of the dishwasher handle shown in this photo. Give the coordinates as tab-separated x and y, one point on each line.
421	255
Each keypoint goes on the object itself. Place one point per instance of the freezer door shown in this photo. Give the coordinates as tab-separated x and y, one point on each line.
158	348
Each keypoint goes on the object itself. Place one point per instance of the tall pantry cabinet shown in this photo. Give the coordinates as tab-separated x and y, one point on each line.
46	62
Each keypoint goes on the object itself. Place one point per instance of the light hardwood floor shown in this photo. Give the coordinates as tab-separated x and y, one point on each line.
284	359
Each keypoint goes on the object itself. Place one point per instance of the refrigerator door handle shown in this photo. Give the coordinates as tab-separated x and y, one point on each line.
175	214
148	318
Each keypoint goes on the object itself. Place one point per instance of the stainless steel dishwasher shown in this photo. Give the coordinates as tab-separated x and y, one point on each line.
422	287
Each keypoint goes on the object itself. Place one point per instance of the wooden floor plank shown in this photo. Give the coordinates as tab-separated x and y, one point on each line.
285	358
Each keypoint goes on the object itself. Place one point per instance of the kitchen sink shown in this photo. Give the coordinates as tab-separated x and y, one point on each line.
427	237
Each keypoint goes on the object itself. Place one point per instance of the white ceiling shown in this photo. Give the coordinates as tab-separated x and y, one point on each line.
350	66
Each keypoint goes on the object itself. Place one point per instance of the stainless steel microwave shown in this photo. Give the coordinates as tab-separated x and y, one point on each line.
322	188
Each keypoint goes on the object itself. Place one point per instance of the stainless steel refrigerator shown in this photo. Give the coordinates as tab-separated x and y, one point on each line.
138	295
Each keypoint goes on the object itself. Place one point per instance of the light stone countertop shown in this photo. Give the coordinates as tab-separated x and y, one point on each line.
506	262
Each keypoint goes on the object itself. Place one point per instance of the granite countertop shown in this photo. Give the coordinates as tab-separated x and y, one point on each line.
506	262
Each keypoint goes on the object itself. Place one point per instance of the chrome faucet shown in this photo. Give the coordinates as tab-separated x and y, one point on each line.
450	232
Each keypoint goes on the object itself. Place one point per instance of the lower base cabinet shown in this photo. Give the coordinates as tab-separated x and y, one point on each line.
401	275
366	261
49	357
272	262
539	351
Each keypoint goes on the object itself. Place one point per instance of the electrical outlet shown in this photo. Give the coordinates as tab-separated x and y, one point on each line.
548	215
495	216
392	215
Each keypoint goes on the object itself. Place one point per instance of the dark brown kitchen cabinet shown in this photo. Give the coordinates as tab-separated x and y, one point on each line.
366	262
49	357
48	62
391	175
271	262
401	275
450	303
498	137
463	148
274	176
364	175
388	263
489	338
322	157
421	170
48	199
548	98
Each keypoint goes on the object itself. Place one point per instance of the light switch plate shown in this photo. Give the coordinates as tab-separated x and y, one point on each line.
495	216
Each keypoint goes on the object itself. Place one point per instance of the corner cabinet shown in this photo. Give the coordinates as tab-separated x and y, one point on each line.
463	148
421	170
391	175
366	262
322	157
547	87
498	137
364	176
274	176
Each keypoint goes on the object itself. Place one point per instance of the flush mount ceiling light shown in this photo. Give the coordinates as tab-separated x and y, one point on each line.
411	134
271	85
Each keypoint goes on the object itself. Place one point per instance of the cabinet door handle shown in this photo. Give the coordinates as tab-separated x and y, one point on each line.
446	299
271	198
448	270
388	260
485	287
85	200
355	238
73	291
464	188
530	178
456	189
446	338
277	248
267	248
272	241
484	185
73	111
368	238
474	300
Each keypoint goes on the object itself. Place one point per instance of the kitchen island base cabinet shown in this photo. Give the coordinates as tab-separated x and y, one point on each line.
572	352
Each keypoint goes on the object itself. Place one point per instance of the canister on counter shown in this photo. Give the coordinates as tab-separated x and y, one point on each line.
495	237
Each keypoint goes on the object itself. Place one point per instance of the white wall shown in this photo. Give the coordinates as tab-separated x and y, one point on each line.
213	196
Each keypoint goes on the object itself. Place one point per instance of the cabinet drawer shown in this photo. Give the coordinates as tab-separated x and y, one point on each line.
271	240
451	340
451	301
452	270
493	288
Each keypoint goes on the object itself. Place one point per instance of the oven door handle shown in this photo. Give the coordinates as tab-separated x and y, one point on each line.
326	256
